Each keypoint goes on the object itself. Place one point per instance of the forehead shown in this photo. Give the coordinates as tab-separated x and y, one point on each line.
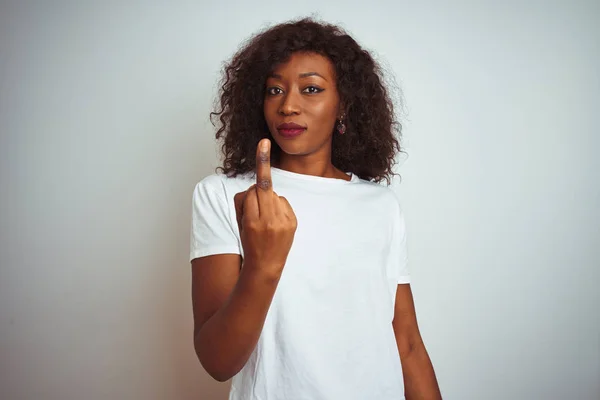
299	63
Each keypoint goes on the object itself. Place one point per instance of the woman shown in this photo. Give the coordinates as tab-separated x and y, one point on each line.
305	296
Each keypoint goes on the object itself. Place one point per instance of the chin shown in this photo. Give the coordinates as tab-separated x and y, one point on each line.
292	147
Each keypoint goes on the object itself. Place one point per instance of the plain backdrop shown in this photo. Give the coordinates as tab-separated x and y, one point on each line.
104	133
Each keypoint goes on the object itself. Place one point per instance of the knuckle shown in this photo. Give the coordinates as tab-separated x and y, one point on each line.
271	226
264	183
247	199
286	202
263	157
251	225
275	227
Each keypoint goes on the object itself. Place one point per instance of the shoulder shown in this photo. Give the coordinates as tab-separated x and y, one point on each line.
213	182
223	185
386	196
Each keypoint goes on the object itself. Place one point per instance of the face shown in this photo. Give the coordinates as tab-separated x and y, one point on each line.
302	105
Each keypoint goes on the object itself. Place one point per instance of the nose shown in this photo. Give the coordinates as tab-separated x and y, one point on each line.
289	104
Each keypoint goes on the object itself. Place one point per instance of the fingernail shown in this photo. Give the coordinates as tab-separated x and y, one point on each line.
265	145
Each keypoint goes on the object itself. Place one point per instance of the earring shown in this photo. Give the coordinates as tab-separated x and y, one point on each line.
341	126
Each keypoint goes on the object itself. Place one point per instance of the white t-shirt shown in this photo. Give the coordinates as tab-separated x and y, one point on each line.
328	334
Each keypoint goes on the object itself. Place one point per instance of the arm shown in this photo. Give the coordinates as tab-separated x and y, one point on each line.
230	307
419	378
230	302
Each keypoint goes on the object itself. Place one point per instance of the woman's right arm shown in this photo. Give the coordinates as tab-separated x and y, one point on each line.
230	306
231	299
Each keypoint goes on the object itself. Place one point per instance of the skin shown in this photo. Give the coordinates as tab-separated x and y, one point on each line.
230	295
230	302
303	91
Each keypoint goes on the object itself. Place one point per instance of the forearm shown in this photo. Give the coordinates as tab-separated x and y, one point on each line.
420	382
227	339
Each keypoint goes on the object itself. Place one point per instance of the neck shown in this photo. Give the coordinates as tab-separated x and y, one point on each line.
310	165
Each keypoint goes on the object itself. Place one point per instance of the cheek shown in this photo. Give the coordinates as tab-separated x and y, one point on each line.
269	110
325	110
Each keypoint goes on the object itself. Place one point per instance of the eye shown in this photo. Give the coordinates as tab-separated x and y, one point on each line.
312	90
273	91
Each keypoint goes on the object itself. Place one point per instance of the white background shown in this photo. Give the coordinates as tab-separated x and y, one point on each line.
104	132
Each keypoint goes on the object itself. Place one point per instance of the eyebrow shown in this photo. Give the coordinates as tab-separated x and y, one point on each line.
302	75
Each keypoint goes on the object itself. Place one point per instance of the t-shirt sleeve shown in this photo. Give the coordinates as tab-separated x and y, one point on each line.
402	252
399	251
212	230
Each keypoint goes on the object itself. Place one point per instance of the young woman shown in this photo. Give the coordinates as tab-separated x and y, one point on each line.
299	272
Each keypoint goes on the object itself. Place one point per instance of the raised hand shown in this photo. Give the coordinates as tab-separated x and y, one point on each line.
267	222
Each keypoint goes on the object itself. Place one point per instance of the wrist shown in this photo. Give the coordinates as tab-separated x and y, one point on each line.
260	272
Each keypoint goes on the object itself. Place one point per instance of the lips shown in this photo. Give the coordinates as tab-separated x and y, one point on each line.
290	129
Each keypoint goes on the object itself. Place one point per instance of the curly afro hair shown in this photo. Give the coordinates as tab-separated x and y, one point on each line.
371	142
